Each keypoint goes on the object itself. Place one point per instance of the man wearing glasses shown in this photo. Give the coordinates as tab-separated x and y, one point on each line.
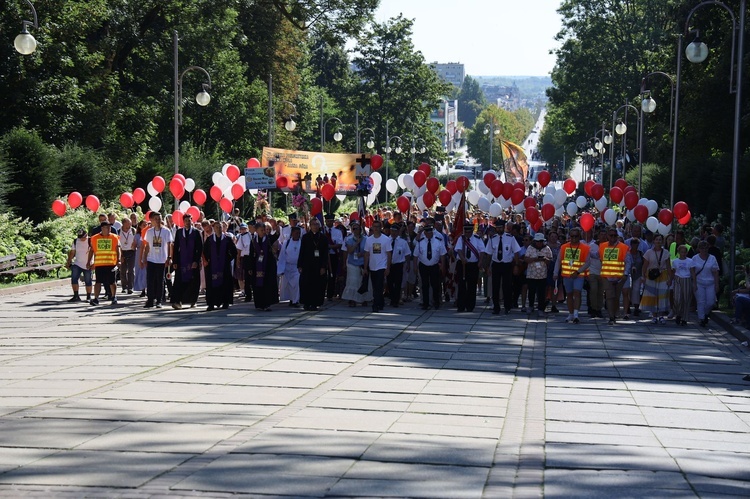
615	269
572	265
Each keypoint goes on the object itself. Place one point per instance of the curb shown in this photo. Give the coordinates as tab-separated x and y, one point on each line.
723	320
34	286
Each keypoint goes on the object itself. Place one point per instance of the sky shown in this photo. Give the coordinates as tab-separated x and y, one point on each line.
490	37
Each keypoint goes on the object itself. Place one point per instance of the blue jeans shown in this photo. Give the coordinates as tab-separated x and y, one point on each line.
75	275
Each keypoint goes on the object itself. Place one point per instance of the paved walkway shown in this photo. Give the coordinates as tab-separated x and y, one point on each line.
133	403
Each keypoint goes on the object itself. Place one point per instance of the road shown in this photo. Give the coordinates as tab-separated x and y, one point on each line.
131	403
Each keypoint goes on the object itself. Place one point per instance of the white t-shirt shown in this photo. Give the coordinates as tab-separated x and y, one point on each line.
378	248
158	244
81	247
682	267
400	250
705	276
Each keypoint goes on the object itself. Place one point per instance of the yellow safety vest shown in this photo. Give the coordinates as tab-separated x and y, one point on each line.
105	250
573	258
613	260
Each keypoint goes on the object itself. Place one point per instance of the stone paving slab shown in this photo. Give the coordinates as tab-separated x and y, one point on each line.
136	403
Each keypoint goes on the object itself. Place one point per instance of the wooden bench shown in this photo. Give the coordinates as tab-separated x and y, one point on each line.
9	267
37	262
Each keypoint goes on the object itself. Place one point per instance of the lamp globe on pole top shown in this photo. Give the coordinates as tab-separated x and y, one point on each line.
608	138
290	125
203	98
25	42
370	144
648	105
337	136
696	51
621	128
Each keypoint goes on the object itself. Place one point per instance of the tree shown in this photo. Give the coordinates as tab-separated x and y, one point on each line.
508	128
471	101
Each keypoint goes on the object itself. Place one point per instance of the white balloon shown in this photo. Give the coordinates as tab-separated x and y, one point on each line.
550	189
630	215
559	211
652	206
409	182
391	185
376	189
652	224
184	205
224	183
473	197
601	203
519	208
241	181
420	204
419	191
505	203
483	188
451	206
154	204
371	198
483	204
340	197
610	216
560	197
407	194
228	193
571	209
581	202
548	199
376	177
225	167
151	190
253	192
643	201
189	184
216	177
495	210
456	197
400	181
413	172
663	229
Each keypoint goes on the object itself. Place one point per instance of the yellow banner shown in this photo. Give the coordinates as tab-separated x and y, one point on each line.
311	170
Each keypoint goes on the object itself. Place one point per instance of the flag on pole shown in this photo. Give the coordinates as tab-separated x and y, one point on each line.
458	222
515	163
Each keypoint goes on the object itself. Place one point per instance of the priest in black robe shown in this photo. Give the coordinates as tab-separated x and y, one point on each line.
219	251
264	251
186	264
313	266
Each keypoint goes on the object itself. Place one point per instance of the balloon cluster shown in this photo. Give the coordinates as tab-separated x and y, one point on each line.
424	190
75	199
229	185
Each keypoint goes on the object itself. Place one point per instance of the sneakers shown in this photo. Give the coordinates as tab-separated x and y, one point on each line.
662	320
654	320
611	321
94	302
158	304
114	300
75	298
569	318
177	306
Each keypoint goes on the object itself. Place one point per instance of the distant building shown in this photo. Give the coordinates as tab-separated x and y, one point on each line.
452	72
505	96
447	117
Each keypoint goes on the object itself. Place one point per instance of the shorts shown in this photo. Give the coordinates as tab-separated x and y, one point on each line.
628	283
75	275
573	284
105	275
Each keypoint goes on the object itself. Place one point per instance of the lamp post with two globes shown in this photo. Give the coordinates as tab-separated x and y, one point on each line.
648	106
489	129
620	129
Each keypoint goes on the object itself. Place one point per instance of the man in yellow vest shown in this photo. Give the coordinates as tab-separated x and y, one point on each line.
615	269
104	252
572	265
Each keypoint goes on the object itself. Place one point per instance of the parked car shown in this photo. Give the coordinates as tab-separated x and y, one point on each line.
460	163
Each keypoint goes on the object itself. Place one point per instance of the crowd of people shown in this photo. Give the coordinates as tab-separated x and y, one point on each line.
626	270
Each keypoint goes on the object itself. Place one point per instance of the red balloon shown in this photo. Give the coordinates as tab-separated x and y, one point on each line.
532	214
597	191
684	220
428	199
451	186
58	207
327	191
147	216
237	191
445	197
282	182
158	183
403	204
199	196
75	199
507	190
621	183
354	216
544	178
537	225
139	195
433	184
629	188
462	183
517	197
180	177
569	186
587	187
529	202
680	210
496	188
376	161
519	185
176	188
489	177
215	193
126	200
92	202
419	178
631	200
233	173
615	195
226	205
177	218
587	222
640	213
424	167
665	216
548	211
316	206
194	212
253	163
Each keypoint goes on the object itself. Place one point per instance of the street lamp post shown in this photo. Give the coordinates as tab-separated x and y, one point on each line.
605	138
697	52
648	106
414	150
397	150
202	98
358	134
25	42
620	129
489	129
